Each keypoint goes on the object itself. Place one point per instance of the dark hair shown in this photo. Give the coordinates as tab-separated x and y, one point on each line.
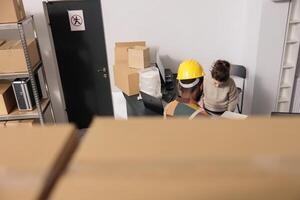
221	71
189	81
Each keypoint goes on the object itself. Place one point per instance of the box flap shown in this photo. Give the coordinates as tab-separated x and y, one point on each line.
138	48
2	42
4	85
130	44
14	44
125	69
10	44
132	70
3	45
19	44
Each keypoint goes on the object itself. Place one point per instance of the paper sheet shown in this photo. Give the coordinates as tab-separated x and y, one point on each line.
232	115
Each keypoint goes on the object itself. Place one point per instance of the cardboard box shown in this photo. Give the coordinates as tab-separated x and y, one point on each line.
31	160
7	98
11	11
181	159
127	79
21	123
138	57
12	58
121	52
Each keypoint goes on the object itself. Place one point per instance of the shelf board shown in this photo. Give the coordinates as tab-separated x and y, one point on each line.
292	42
12	26
295	21
19	115
288	67
20	74
283	100
285	85
9	26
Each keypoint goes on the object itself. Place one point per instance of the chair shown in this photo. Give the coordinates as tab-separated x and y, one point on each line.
240	72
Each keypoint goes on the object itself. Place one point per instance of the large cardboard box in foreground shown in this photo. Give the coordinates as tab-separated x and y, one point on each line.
11	11
12	58
121	52
181	159
127	79
31	159
7	98
139	57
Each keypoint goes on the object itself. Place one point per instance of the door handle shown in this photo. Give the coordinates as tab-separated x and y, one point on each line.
104	70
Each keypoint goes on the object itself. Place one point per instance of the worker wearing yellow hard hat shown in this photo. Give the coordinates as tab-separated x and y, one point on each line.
190	78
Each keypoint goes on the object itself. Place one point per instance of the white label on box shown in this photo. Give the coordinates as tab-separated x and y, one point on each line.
76	19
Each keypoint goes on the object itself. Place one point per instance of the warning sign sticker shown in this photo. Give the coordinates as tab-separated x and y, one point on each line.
76	19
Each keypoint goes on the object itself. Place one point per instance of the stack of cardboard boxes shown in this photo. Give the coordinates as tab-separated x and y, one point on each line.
130	58
12	58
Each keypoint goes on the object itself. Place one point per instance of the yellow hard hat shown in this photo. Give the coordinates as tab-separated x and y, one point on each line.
190	69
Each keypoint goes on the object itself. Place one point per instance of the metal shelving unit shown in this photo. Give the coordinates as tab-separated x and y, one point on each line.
19	115
41	104
11	76
14	26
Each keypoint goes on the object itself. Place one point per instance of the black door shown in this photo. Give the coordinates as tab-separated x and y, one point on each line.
82	60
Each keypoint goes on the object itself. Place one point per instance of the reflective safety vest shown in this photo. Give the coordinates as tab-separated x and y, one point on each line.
179	109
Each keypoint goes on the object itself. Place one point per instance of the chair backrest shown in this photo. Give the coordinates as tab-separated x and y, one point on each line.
239	71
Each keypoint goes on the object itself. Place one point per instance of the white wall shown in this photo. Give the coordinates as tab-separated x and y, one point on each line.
272	34
204	30
251	29
48	55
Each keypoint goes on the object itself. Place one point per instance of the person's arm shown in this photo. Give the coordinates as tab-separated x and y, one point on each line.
233	97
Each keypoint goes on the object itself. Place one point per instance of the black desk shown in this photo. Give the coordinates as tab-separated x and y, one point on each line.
136	108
